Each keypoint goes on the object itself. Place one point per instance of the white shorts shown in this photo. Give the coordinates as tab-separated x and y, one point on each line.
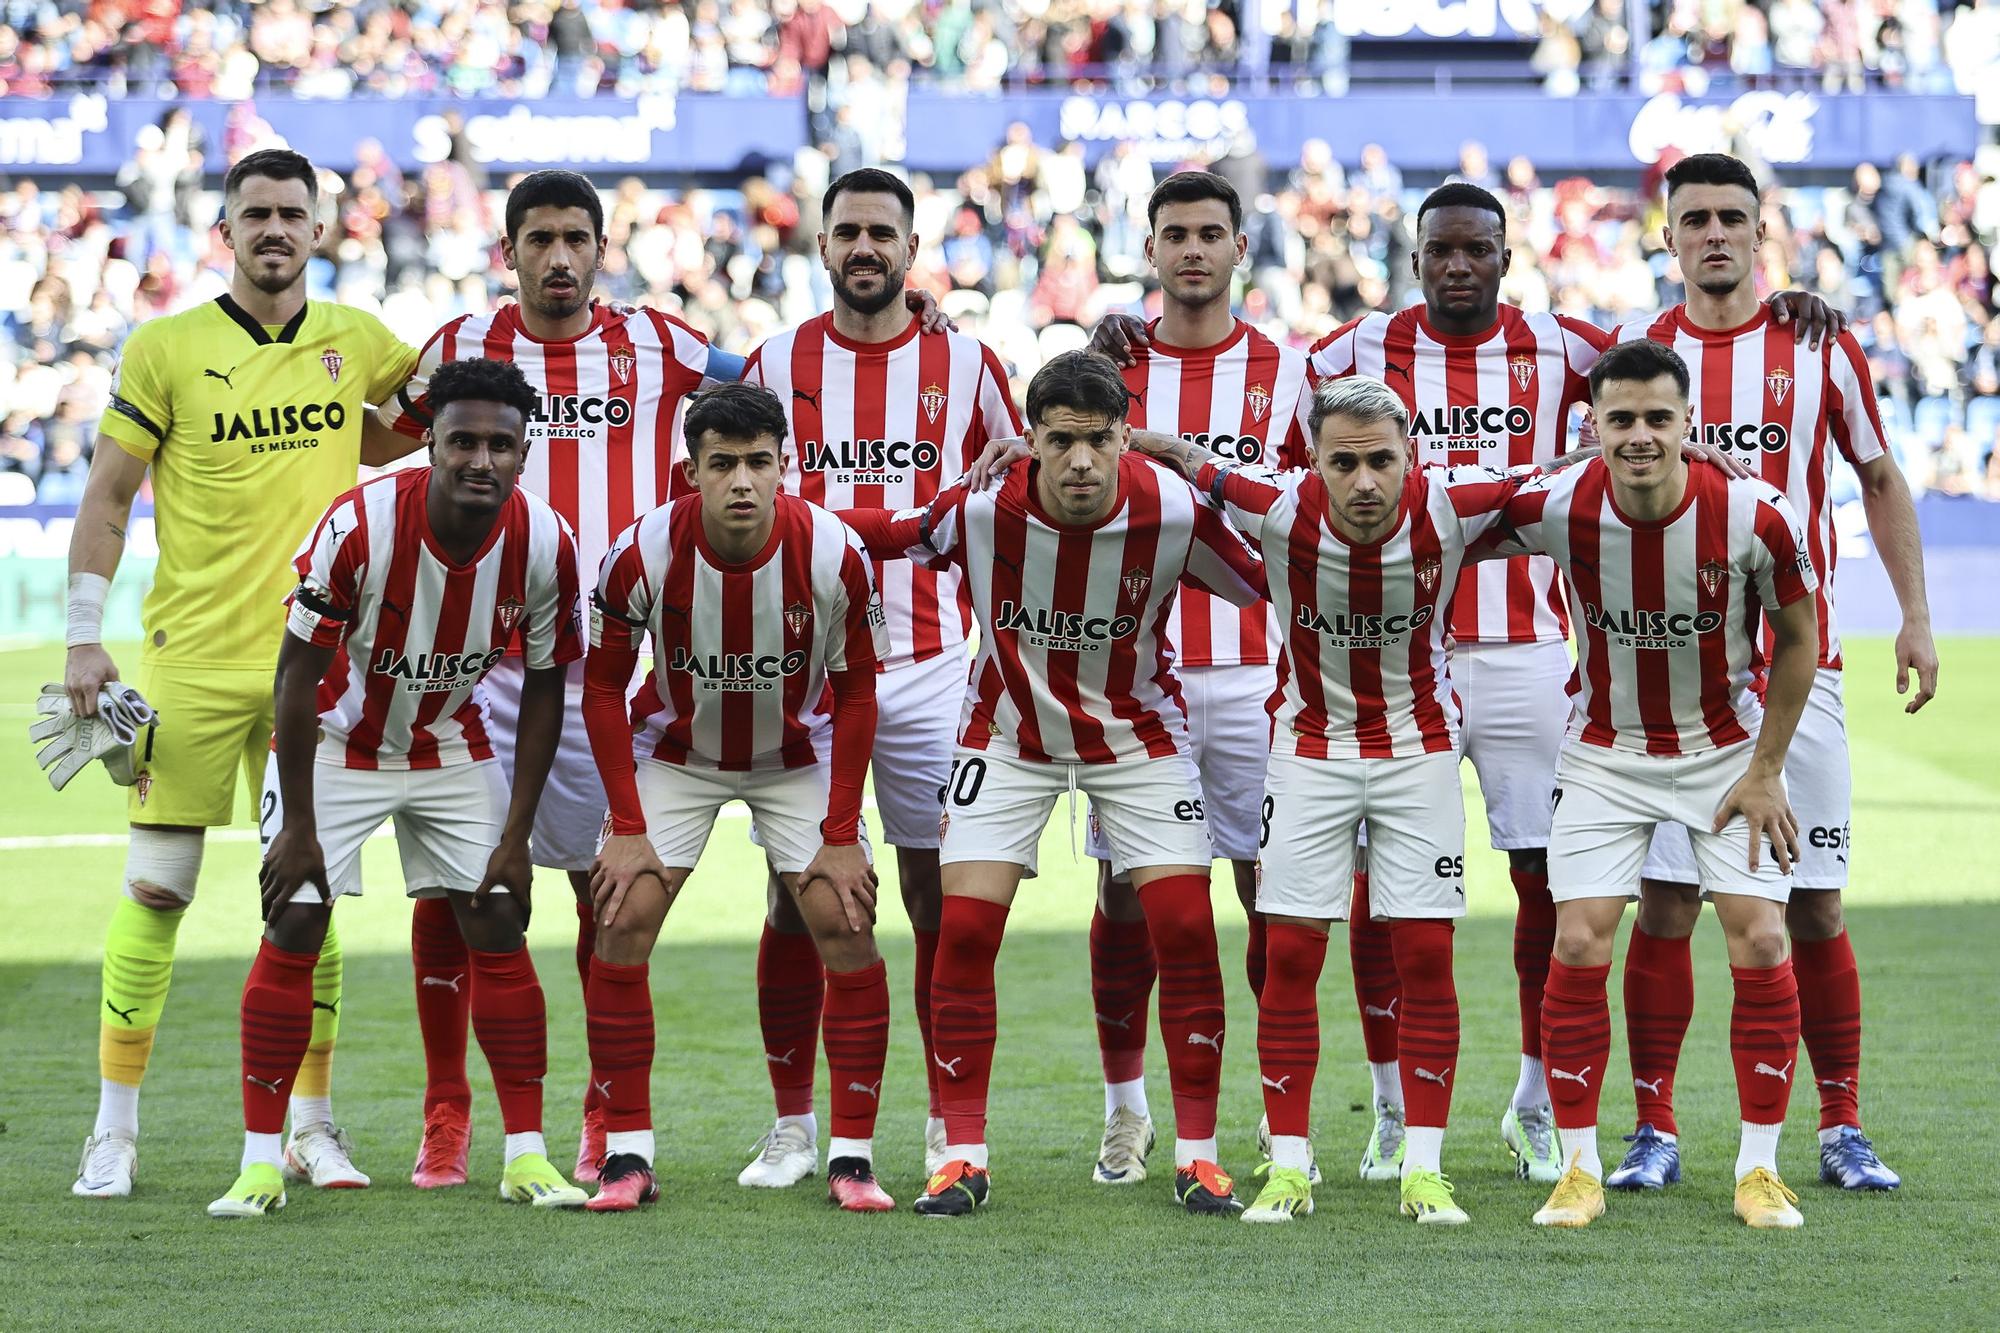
1415	810
1609	801
1230	733
1820	783
448	821
1514	712
571	813
787	804
996	807
917	710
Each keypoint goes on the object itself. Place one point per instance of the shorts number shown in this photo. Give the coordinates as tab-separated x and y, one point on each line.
267	808
1264	831
967	777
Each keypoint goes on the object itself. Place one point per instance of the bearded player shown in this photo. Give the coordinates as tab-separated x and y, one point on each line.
1785	412
247	411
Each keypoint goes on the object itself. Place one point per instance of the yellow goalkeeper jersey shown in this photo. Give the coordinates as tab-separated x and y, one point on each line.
251	431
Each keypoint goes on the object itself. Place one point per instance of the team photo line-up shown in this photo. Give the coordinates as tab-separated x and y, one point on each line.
1255	603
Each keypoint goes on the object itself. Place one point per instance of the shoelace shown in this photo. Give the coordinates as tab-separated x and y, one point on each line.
773	1147
100	1155
1768	1189
1570	1189
1540	1133
1124	1136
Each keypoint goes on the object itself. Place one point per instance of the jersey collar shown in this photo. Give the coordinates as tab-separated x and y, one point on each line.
257	332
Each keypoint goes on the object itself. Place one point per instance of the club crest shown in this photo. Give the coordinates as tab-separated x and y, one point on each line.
1259	399
333	361
1429	570
1713	575
1779	382
143	784
932	399
1137	582
797	617
622	362
1522	364
509	614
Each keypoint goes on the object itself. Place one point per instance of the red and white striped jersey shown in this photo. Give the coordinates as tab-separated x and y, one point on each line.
1364	669
1757	391
1074	664
887	426
741	652
416	632
1668	611
1246	398
603	446
1496	399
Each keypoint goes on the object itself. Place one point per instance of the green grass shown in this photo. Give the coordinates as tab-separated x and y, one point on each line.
1054	1249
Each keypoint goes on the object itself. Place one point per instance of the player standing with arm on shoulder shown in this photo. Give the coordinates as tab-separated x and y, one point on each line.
1071	564
764	619
1672	571
409	589
248	412
1785	412
883	411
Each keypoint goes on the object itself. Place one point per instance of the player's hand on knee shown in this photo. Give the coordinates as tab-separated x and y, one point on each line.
621	863
510	868
87	670
1762	803
845	870
294	861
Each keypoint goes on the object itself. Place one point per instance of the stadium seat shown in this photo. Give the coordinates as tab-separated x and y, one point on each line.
1982	421
16	488
1933	418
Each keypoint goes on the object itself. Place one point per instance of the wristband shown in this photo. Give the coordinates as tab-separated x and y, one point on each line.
86	609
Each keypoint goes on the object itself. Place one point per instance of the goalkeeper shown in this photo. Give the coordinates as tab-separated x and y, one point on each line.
248	410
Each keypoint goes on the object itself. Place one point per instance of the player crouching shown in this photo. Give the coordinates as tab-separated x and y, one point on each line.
756	603
410	587
1669	569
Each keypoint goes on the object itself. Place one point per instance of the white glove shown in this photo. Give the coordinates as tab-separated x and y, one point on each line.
74	741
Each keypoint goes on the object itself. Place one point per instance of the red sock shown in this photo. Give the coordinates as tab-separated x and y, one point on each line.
925	966
1764	1040
964	1012
1534	943
1255	951
1121	989
511	1020
1427	1044
857	1046
1288	1026
1376	990
586	948
1576	1040
443	979
791	990
277	1028
1659	1005
618	1007
1830	1022
1183	927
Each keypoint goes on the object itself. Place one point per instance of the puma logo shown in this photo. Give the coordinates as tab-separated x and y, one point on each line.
334	1008
1213	1043
1782	1075
1278	1084
395	611
1847	1083
1374	1011
948	1066
1583	1078
219	375
785	1059
272	1086
449	983
1392	368
125	1014
1125	1023
813	398
869	1088
1653	1087
1426	1074
603	1089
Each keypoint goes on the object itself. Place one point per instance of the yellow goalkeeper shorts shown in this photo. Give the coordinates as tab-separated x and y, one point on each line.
214	723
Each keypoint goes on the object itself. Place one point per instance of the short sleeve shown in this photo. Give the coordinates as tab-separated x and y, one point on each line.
553	635
405	408
330	564
141	410
861	639
1780	563
622	604
392	359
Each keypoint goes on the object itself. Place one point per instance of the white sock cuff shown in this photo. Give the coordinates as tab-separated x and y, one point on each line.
526	1144
1387	1077
838	1147
263	1149
1291	1150
1130	1094
638	1142
1189	1151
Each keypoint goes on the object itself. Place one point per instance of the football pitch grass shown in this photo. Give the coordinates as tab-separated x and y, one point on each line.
1053	1249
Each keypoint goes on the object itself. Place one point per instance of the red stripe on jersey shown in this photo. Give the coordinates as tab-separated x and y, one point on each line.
1142	544
1301	569
677	593
808	383
618	444
933	373
447	636
795	569
1656	686
1425	547
1008	676
1711	548
1072	587
398	600
1521	344
1364	665
562	450
1587	516
668	479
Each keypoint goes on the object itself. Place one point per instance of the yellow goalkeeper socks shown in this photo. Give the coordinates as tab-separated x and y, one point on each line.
314	1082
138	967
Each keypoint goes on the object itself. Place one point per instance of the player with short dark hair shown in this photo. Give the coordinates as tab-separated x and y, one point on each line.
1785	410
409	589
1072	564
247	412
766	634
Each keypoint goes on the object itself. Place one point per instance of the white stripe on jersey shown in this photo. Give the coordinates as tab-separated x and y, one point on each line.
417	633
1755	390
1246	398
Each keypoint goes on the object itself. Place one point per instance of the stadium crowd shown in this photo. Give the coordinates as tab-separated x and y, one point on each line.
231	48
1028	250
